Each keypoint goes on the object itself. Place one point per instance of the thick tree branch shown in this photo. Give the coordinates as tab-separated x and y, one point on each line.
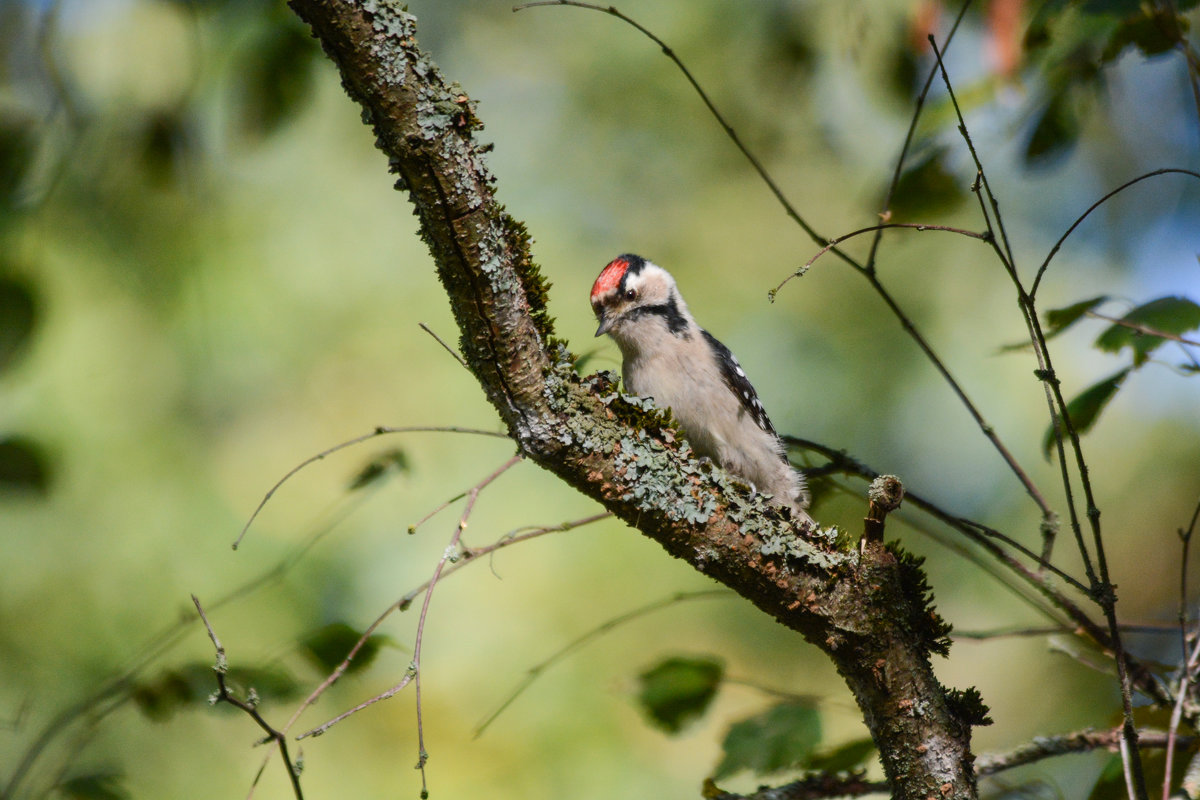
869	612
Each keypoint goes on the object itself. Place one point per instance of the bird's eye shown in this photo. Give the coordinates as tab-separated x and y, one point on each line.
631	294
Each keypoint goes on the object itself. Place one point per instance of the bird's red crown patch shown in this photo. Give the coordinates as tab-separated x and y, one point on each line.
610	277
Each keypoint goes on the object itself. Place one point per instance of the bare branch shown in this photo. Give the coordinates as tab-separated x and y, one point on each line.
916	226
816	786
982	536
1186	676
918	106
1079	220
451	553
445	346
1044	747
249	706
536	670
1143	329
382	430
717	115
320	729
473	554
469	556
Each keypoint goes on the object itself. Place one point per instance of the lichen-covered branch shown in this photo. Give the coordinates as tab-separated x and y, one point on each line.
869	611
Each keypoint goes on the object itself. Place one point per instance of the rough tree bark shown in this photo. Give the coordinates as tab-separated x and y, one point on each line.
869	611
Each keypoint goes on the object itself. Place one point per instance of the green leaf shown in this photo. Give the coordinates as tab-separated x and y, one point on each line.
165	142
94	786
1059	319
1173	315
1085	408
23	466
173	690
1055	133
329	646
846	758
1111	783
190	686
268	682
925	187
902	68
1152	35
780	738
18	315
18	142
678	690
276	77
1121	8
379	466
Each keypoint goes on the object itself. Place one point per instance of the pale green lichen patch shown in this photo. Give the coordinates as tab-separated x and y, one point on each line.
658	474
396	30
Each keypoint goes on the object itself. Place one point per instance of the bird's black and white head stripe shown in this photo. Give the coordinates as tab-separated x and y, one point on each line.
631	288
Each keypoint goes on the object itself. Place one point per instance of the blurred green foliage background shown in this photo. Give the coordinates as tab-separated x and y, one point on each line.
208	278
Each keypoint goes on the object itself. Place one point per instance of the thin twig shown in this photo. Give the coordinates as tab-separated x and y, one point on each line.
404	602
984	426
1043	747
439	508
320	729
445	346
249	706
1051	630
1143	329
382	430
451	551
782	694
917	226
1053	250
1185	538
788	208
536	670
1003	251
1189	662
1146	681
509	539
1185	682
908	138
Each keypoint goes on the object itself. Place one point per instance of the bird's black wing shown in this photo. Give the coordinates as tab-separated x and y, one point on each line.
739	384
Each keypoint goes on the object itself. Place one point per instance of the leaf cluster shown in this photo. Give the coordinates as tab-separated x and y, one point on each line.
786	736
1143	330
1070	42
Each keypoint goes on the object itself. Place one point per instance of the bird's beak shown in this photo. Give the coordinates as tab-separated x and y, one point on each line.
606	322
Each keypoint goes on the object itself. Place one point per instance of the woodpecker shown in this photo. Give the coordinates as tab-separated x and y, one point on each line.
668	357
